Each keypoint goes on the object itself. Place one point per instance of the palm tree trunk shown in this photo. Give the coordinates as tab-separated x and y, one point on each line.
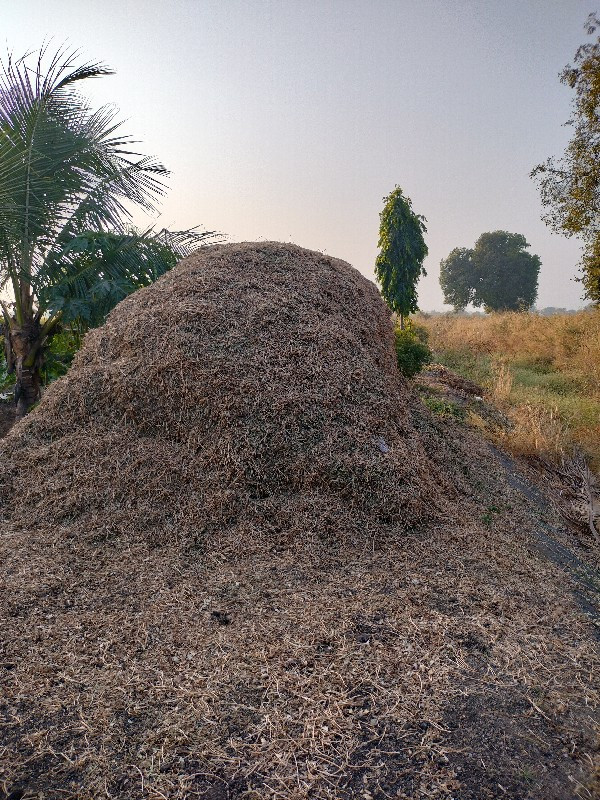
25	343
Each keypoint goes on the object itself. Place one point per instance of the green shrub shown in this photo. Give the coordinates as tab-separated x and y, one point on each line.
59	354
412	350
444	408
57	360
7	380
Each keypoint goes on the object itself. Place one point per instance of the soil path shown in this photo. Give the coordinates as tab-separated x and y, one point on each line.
585	577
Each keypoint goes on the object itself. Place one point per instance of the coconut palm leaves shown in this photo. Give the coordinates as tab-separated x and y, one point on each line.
97	269
68	179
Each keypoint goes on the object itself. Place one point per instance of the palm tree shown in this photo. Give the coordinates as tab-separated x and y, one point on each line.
68	178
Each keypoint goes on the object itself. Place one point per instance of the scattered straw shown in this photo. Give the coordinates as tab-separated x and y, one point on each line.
238	561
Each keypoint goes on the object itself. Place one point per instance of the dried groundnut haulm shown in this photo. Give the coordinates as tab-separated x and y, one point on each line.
247	565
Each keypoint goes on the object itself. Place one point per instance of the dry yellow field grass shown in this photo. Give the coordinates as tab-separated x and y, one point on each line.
543	370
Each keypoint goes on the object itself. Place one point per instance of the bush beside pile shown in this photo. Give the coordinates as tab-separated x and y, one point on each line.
412	350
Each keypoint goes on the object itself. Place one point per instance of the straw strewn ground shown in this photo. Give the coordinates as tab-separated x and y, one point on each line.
239	559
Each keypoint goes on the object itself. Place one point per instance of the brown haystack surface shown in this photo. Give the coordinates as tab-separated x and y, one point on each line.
238	560
252	384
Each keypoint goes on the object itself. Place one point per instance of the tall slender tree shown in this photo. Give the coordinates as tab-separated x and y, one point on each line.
399	264
68	179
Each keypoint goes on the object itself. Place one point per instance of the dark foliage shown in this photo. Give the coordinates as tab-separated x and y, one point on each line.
498	274
412	350
570	186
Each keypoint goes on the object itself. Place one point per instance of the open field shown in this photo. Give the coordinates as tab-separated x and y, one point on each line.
544	371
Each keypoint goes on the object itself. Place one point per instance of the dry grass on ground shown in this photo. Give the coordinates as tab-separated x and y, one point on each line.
241	560
545	370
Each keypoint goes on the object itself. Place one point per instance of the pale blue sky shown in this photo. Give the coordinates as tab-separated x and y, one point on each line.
291	120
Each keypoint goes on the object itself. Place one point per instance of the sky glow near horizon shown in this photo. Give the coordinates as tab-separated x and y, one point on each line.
291	120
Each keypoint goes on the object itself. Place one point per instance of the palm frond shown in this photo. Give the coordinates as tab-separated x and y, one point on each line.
95	270
68	179
57	157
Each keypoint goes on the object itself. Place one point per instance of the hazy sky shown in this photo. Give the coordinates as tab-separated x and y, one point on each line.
291	119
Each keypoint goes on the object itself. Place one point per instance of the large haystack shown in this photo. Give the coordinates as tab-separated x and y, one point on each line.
253	385
215	583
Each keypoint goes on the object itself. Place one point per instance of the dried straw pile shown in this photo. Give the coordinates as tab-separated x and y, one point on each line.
254	385
216	583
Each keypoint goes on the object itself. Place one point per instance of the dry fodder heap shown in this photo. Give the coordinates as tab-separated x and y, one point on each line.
253	387
246	413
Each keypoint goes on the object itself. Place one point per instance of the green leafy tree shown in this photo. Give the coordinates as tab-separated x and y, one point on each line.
399	264
457	278
506	275
67	180
498	274
570	186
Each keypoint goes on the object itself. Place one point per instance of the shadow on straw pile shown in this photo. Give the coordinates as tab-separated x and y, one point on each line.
196	782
